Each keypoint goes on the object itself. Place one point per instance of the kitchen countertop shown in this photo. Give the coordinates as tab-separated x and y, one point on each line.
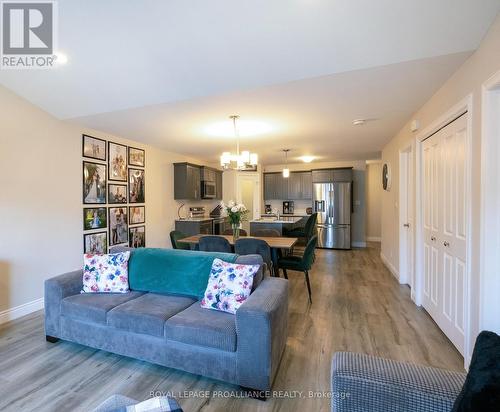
283	219
194	219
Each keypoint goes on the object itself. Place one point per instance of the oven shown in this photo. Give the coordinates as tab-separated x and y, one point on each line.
208	190
219	225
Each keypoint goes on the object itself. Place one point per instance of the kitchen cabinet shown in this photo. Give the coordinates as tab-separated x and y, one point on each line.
332	175
218	185
299	186
275	186
296	187
195	227
208	174
187	181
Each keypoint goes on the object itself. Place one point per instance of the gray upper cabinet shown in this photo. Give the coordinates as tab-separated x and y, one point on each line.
187	181
208	175
275	187
300	186
297	187
332	175
218	185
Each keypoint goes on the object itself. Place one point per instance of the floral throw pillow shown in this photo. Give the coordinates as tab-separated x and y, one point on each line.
229	286
105	273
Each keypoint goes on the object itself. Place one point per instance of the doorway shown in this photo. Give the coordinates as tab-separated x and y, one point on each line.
406	220
248	190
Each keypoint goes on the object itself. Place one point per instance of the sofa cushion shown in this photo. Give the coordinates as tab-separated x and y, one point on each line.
148	313
172	271
93	307
198	326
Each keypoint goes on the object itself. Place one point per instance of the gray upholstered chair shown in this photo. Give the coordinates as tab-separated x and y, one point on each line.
214	244
251	246
362	383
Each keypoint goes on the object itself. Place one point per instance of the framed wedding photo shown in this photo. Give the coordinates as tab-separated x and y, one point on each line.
117	162
94	183
117	194
95	243
93	147
136	193
95	218
136	157
118	225
137	236
136	215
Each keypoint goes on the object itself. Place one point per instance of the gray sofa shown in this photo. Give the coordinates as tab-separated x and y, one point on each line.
364	383
174	331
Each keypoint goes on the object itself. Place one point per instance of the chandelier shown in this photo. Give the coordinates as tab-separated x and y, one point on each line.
238	161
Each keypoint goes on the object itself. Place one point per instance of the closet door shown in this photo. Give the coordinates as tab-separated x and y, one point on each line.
445	223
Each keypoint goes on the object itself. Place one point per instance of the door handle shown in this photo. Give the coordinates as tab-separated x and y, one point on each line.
446	244
433	238
406	225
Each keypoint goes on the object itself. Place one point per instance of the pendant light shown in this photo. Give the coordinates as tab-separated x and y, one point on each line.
286	170
238	161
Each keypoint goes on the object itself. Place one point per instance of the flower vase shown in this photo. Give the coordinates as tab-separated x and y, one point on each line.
236	231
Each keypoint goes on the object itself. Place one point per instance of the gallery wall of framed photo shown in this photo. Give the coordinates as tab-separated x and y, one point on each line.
113	195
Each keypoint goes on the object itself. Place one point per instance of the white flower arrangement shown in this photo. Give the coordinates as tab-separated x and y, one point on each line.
235	212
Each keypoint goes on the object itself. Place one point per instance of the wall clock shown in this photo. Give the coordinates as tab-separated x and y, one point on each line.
386	176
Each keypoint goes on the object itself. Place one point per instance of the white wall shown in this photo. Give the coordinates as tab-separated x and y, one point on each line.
468	79
374	201
358	216
41	198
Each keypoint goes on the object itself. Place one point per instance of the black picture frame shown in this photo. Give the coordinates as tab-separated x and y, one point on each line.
88	235
101	189
111	196
103	222
120	232
133	163
139	197
132	238
130	215
86	137
111	175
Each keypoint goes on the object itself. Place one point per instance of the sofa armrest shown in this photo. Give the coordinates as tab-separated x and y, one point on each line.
56	289
362	383
261	327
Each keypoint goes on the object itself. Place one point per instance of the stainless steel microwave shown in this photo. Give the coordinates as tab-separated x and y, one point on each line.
208	190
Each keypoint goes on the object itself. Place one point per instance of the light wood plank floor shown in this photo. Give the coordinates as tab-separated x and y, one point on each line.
357	306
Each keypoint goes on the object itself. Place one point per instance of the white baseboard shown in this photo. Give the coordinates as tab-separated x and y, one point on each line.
389	266
21	310
373	239
358	244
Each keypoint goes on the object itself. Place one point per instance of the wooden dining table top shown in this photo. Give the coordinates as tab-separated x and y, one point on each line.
273	242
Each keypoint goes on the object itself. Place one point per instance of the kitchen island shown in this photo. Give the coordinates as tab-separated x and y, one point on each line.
281	224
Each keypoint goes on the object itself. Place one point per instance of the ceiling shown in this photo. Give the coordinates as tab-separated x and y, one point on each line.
161	72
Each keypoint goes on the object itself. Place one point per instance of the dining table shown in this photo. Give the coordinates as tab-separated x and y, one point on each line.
275	242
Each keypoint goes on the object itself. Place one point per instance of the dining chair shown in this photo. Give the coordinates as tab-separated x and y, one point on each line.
305	232
175	237
214	244
300	263
267	233
243	232
252	246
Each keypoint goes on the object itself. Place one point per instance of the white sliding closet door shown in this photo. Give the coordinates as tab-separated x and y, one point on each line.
444	211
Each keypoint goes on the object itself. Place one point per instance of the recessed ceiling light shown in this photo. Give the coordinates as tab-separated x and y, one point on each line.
307	159
61	58
359	122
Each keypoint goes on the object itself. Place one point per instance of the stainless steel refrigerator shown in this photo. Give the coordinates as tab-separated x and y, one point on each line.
333	203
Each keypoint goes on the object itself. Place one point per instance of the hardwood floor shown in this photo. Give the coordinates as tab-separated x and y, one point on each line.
357	306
